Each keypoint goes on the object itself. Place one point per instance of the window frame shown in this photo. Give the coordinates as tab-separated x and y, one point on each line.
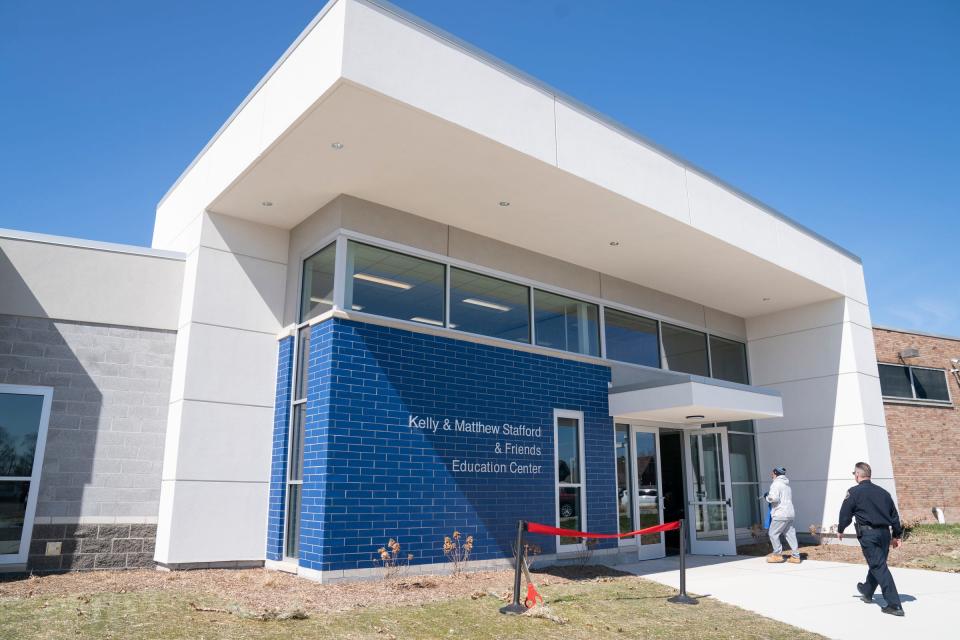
913	387
29	515
343	236
582	484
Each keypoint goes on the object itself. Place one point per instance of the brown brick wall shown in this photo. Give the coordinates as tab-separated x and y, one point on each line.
924	440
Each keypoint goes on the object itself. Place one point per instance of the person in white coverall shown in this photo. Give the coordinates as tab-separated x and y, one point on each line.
782	514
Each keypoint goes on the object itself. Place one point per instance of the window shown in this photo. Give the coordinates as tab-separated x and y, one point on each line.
295	438
565	323
728	360
570	514
631	338
685	350
743	478
387	283
316	295
624	482
913	383
24	414
489	306
930	384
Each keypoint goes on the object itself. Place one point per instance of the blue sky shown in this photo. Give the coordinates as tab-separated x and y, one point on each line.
843	115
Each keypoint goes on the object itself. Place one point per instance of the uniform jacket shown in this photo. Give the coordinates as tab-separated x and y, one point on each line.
780	498
870	505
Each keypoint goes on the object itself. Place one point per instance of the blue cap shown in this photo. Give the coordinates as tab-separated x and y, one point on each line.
780	471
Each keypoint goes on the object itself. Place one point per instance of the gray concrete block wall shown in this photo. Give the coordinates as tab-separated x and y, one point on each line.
105	442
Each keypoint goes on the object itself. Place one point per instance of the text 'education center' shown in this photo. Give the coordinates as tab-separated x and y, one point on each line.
407	289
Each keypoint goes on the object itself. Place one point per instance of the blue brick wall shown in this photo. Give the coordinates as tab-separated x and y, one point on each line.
278	463
315	505
369	476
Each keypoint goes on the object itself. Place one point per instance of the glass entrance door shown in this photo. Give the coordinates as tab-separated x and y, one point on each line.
639	501
710	510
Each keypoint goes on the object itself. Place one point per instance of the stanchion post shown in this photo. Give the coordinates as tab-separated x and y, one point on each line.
515	606
682	597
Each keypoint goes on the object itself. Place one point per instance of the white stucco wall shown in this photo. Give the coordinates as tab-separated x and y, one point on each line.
69	279
822	360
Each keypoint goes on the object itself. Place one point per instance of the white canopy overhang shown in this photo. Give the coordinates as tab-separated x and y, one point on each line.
372	103
684	399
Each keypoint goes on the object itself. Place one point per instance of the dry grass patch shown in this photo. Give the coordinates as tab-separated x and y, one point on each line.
581	605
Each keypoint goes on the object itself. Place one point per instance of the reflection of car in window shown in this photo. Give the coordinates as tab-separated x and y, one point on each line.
647	495
568	502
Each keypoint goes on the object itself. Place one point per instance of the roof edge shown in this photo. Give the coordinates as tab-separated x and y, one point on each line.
917	333
94	245
505	67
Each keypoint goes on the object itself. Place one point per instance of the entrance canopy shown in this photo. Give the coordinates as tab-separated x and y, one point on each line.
681	398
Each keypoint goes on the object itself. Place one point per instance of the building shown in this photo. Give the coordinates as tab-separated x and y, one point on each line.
920	383
407	289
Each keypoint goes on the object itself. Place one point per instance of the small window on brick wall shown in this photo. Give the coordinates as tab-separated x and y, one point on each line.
922	384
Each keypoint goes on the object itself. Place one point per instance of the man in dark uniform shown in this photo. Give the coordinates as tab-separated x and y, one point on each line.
876	514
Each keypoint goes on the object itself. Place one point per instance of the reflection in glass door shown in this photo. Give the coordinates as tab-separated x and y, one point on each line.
711	513
638	486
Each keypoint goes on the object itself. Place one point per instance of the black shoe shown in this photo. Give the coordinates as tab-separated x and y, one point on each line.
894	610
862	588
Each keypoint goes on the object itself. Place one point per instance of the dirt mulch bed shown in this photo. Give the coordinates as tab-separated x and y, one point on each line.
266	590
922	550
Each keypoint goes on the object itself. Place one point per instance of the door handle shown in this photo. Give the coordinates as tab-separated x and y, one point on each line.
728	502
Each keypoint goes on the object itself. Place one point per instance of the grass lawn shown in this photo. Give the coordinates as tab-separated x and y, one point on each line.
615	606
927	546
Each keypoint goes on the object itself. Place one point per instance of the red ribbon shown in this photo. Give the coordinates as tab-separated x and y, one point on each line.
536	527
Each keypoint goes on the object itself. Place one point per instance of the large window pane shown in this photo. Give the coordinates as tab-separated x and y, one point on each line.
316	296
728	359
292	528
631	338
930	384
648	498
895	381
569	509
387	283
743	459
489	306
568	450
685	350
565	323
19	427
624	475
13	509
742	426
295	448
746	505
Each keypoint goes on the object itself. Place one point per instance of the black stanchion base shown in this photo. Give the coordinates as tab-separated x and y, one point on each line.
682	598
515	609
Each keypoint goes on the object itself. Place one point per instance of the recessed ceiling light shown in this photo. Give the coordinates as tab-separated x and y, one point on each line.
766	299
396	284
336	146
614	244
266	203
504	203
694	417
487	305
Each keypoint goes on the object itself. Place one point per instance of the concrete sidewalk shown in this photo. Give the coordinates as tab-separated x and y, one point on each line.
818	596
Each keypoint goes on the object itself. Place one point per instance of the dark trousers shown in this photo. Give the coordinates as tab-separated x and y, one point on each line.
875	544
